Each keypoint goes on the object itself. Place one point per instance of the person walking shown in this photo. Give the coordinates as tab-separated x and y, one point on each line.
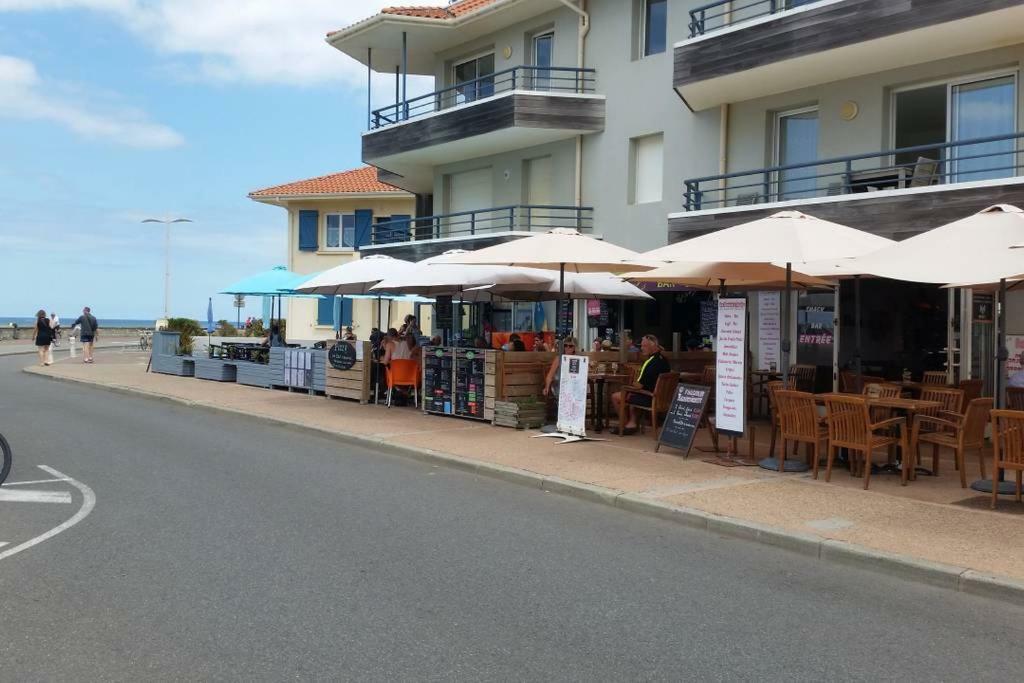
55	328
90	328
42	337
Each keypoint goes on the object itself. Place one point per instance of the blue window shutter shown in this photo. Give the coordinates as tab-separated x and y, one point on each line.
364	226
325	311
346	312
309	223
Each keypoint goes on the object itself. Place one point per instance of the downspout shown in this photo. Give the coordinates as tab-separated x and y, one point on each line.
580	54
723	146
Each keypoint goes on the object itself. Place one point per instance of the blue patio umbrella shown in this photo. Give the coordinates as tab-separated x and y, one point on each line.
276	282
209	315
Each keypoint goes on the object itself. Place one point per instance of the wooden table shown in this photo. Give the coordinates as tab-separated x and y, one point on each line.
597	381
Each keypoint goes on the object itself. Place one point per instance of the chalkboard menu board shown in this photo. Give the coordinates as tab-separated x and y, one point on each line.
709	318
443	312
684	416
437	380
342	355
564	317
469	383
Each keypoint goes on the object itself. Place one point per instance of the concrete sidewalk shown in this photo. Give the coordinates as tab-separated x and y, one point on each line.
20	347
931	531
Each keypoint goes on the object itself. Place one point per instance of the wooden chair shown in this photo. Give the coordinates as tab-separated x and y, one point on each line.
800	424
952	400
708	376
801	377
935	377
848	383
1015	398
850	427
882	390
661	399
961	433
971	388
773	413
1007	447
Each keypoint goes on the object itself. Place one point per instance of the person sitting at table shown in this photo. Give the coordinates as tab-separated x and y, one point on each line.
348	334
654	365
481	343
392	347
273	338
539	344
554	370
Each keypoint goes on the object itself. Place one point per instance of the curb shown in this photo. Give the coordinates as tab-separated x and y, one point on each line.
895	565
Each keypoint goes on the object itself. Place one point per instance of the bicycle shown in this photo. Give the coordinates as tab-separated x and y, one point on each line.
7	456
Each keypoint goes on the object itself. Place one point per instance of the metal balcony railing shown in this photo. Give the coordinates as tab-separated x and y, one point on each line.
896	169
722	13
524	218
535	78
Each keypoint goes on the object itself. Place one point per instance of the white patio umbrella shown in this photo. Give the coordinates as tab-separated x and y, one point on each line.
728	275
437	276
786	237
355	277
576	286
563	249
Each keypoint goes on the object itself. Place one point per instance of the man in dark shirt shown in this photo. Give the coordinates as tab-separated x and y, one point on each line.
653	366
90	330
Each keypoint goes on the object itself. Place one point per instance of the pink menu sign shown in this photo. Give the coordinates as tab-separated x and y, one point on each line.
730	366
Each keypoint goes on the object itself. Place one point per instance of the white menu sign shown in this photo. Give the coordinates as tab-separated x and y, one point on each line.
769	325
730	362
572	396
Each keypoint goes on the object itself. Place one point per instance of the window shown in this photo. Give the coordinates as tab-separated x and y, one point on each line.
473	73
655	26
796	142
543	48
341	231
647	158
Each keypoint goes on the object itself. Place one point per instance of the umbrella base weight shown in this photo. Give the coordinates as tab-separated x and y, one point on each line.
789	466
1006	488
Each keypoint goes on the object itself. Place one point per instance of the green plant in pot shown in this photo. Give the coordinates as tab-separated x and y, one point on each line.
187	329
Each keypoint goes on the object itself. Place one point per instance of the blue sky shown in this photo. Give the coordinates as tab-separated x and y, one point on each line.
112	111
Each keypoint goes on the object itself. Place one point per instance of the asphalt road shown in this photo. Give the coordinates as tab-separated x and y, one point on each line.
223	548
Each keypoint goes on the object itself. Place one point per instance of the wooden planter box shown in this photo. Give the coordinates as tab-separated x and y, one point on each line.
354	383
165	358
215	369
253	374
285	360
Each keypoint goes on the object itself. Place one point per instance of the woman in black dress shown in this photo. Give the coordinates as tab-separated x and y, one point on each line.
42	337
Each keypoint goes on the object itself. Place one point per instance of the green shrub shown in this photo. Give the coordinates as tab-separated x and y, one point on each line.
189	329
226	329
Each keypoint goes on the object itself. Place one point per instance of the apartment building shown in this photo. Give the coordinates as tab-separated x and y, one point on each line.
328	219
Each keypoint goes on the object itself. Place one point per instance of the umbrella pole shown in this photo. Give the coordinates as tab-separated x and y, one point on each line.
857	360
786	323
561	293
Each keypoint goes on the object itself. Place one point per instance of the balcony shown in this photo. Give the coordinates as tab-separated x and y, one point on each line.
894	192
511	109
425	236
744	49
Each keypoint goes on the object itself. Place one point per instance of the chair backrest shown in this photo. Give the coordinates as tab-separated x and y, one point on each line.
848	382
1015	398
971	388
952	400
664	390
773	400
924	172
934	377
1008	437
403	373
708	376
631	371
798	416
882	390
802	376
847	419
975	418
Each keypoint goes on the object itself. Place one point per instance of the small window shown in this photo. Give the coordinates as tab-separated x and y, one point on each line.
655	26
647	158
341	231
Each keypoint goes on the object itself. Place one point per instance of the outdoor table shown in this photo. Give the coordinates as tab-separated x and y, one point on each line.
597	381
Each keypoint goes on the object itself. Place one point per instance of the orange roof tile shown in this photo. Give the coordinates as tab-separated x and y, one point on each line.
357	181
452	11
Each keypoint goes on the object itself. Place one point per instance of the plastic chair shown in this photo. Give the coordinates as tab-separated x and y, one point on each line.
403	373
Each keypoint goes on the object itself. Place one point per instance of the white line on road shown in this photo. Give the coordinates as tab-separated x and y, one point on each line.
30	496
88	503
3	543
34	481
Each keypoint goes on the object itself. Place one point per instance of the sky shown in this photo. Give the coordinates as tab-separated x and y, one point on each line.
113	111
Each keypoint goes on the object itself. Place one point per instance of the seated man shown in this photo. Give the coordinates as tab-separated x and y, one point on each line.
654	365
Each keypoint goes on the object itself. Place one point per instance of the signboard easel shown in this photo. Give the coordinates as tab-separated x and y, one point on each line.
685	414
731	376
572	401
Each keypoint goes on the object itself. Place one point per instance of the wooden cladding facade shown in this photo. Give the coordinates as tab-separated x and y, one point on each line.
895	216
807	32
577	113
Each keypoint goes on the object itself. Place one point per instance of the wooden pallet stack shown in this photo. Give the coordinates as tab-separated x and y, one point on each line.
520	413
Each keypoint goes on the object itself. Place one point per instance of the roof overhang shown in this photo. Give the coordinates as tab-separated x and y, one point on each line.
382	33
283	199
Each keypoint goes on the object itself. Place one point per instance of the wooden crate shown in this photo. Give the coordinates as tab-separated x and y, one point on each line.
519	414
352	384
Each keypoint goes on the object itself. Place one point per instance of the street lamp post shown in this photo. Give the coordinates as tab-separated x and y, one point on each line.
167	258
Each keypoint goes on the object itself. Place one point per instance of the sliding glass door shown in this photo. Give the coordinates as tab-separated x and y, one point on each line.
796	142
983	109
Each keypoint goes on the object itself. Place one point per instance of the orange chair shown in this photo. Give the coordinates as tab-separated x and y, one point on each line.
404	373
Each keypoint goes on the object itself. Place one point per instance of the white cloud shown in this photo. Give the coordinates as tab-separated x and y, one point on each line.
258	41
24	94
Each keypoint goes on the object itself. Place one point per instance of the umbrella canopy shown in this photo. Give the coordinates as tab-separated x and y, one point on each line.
577	286
209	315
975	250
274	282
436	276
730	275
354	277
556	249
783	237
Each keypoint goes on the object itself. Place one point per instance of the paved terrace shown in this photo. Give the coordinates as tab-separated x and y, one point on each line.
932	519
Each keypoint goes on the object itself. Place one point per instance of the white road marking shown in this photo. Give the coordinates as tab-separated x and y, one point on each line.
34	481
3	543
88	503
22	496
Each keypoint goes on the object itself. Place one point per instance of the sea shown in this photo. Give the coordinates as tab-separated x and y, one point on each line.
66	320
